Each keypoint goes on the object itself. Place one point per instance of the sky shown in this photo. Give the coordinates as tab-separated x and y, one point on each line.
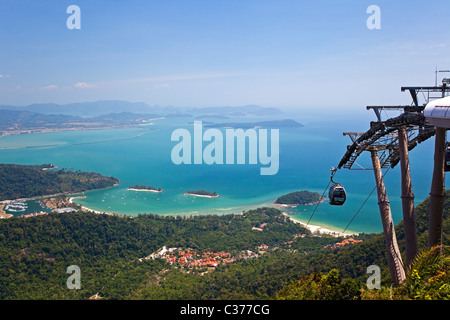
303	55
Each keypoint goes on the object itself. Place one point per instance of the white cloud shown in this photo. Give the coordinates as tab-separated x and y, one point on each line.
4	76
50	87
83	85
162	86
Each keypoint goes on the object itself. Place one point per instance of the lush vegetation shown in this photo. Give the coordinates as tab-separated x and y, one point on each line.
35	253
321	287
427	278
26	181
299	198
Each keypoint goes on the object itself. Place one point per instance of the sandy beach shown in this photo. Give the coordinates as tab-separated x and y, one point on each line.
96	211
89	209
313	228
319	229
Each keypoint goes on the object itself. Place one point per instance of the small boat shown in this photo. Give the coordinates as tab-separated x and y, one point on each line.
17	210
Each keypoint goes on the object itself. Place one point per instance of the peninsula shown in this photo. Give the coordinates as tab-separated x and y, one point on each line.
28	181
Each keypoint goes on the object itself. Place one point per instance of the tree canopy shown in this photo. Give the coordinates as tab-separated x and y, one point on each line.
299	198
26	181
35	253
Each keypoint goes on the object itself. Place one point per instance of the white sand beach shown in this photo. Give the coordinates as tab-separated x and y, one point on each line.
319	229
96	211
89	209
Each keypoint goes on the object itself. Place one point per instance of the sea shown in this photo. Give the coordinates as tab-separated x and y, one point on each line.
142	155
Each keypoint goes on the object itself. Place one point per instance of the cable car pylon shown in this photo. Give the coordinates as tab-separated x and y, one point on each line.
436	112
395	137
393	253
409	217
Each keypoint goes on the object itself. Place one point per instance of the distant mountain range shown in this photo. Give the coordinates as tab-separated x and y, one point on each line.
96	108
84	109
119	114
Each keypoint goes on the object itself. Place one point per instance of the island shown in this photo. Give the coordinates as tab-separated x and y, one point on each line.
202	193
139	187
296	198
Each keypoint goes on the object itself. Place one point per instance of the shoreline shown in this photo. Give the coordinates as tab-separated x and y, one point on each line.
315	229
320	229
98	212
83	208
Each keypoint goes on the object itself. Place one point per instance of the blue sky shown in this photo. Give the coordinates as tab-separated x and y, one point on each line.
278	53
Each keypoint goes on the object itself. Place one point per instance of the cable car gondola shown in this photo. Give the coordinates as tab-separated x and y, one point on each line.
337	194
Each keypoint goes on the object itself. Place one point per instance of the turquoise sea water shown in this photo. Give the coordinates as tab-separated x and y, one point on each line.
142	156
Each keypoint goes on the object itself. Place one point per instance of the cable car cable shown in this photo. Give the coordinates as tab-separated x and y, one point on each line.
318	203
358	211
333	172
354	216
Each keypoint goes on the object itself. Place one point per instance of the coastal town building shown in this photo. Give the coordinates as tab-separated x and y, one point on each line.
189	258
343	243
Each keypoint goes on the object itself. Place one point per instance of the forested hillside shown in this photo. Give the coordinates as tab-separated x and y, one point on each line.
110	251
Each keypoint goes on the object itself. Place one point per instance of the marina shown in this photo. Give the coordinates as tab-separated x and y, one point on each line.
25	208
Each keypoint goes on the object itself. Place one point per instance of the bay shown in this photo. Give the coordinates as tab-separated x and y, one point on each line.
143	156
